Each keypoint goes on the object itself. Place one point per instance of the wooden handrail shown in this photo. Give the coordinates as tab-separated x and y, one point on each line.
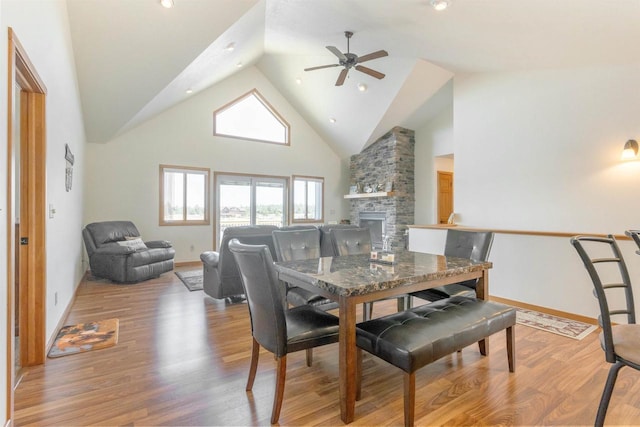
519	232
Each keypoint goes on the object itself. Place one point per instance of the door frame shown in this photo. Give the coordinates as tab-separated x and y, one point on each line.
32	271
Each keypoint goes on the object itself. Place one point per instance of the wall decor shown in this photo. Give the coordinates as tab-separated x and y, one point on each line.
68	176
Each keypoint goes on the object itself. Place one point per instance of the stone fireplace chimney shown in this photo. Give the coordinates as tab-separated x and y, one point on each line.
389	159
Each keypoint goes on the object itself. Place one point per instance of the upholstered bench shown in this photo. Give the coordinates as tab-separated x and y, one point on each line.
414	338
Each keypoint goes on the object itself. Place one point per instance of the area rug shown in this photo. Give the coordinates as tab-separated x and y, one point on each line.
74	339
554	324
192	279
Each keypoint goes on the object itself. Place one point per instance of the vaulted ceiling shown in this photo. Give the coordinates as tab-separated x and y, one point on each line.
135	59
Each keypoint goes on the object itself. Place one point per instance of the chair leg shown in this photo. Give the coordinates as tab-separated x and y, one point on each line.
409	398
255	354
606	393
367	311
404	303
281	373
358	373
511	348
309	357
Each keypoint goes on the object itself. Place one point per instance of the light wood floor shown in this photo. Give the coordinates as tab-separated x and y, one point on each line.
183	359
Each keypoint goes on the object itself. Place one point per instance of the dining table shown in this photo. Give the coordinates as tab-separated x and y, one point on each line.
355	279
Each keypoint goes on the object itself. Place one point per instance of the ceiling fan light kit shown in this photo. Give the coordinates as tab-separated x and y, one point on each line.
350	60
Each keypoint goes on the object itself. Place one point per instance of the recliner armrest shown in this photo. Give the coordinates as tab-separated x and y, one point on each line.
210	258
158	244
114	250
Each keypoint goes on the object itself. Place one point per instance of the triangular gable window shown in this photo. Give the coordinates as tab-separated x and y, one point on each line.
251	117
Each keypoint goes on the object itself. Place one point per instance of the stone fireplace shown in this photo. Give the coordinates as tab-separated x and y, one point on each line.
377	223
389	159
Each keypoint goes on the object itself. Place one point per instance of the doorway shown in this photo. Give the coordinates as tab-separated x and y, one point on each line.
445	196
26	215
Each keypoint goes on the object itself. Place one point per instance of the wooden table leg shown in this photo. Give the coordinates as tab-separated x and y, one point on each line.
482	292
348	359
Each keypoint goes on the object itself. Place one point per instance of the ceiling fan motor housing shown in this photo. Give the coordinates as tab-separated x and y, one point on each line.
352	59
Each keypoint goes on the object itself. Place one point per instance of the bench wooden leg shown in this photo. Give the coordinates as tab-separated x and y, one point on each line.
409	398
511	347
309	357
281	373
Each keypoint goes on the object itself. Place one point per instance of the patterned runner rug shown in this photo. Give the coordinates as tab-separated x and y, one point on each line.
83	337
554	324
192	279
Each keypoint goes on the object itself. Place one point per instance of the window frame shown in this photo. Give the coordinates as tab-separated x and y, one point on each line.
293	200
218	178
267	105
185	170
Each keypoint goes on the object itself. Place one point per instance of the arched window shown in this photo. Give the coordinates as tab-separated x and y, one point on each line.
251	117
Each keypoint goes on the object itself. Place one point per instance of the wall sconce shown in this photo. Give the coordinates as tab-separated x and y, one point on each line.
630	150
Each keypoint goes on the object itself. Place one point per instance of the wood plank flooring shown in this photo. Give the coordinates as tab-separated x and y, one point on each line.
183	359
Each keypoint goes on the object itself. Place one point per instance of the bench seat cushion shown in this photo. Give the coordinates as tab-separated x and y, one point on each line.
414	338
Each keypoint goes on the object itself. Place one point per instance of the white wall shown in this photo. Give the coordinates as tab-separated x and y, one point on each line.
42	28
122	179
540	150
434	139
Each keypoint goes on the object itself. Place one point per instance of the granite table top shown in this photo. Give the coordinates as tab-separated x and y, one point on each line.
356	275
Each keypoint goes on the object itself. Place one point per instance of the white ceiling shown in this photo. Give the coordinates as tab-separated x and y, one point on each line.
135	59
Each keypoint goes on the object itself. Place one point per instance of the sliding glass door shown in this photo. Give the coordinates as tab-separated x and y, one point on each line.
249	200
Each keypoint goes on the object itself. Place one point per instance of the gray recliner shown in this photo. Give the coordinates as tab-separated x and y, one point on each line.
116	252
221	278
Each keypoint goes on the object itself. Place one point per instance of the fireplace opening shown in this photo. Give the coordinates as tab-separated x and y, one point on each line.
376	223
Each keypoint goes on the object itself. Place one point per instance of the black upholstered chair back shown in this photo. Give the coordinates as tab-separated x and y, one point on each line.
351	241
474	245
296	244
596	253
264	295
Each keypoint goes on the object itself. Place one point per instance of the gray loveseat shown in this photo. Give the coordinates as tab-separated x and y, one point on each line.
221	276
116	252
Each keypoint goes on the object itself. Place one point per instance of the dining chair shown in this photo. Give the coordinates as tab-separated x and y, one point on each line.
475	245
354	241
620	341
635	235
295	245
273	326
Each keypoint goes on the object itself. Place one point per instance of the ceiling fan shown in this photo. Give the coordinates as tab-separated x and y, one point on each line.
350	60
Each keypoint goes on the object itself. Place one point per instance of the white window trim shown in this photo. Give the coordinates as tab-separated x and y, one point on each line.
186	170
320	199
267	105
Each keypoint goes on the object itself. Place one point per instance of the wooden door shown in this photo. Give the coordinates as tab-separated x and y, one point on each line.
445	196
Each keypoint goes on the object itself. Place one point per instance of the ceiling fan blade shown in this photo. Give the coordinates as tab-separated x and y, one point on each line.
337	53
321	66
373	55
342	77
372	73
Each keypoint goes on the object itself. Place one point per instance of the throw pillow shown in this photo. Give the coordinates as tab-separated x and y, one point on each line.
136	243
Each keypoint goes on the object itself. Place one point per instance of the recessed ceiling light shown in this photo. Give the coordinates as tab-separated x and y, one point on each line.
440	4
298	80
332	120
239	65
189	90
362	87
230	47
167	3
